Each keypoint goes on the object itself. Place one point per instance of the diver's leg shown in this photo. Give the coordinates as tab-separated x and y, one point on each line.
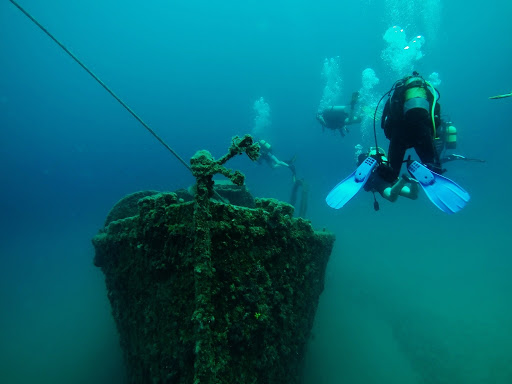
427	152
410	191
391	193
424	141
396	155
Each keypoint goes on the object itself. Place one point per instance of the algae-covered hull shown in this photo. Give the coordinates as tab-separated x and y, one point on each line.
244	316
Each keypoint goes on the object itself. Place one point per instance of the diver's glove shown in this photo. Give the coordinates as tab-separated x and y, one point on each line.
454	156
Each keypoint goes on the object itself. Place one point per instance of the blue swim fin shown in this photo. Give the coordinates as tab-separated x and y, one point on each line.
448	196
347	188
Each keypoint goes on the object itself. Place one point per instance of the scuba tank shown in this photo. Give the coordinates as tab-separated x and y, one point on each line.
450	136
447	138
265	146
415	88
419	93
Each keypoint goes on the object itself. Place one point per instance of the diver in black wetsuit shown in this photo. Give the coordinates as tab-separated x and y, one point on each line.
337	117
408	123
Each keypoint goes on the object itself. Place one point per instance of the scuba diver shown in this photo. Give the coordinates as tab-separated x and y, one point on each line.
298	184
267	156
447	140
410	120
337	117
404	186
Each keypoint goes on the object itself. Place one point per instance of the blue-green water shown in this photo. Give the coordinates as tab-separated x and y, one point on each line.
412	295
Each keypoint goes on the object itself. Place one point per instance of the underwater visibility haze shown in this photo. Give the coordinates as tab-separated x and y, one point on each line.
412	295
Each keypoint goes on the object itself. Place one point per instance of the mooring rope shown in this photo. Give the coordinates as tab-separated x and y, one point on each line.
101	83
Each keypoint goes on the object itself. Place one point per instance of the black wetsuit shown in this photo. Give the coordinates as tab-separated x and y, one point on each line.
376	183
413	131
335	119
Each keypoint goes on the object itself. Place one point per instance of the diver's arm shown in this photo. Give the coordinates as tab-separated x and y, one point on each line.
454	157
321	119
451	157
392	192
403	187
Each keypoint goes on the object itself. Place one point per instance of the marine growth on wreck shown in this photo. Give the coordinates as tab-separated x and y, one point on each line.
218	287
